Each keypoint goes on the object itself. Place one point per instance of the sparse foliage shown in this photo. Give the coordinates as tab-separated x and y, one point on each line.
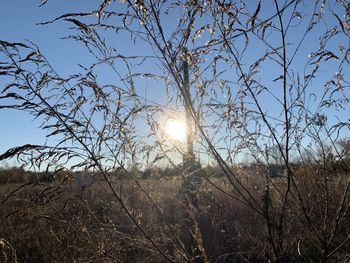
268	80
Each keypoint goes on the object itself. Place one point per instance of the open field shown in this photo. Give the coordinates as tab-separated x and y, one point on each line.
63	221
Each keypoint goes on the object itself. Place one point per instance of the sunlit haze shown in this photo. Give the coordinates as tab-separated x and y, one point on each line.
175	129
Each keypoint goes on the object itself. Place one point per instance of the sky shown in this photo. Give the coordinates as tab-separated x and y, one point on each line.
18	23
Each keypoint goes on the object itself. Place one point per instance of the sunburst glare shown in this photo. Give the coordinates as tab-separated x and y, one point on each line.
175	129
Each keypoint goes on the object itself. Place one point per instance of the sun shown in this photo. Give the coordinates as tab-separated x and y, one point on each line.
175	129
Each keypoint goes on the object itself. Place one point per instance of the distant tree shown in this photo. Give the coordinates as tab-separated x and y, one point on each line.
344	148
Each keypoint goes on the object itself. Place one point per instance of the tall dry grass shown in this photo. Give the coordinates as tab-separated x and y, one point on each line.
64	222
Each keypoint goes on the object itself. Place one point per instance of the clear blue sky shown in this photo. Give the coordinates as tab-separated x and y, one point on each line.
18	20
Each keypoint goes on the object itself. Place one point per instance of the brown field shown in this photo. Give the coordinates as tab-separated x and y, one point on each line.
62	221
